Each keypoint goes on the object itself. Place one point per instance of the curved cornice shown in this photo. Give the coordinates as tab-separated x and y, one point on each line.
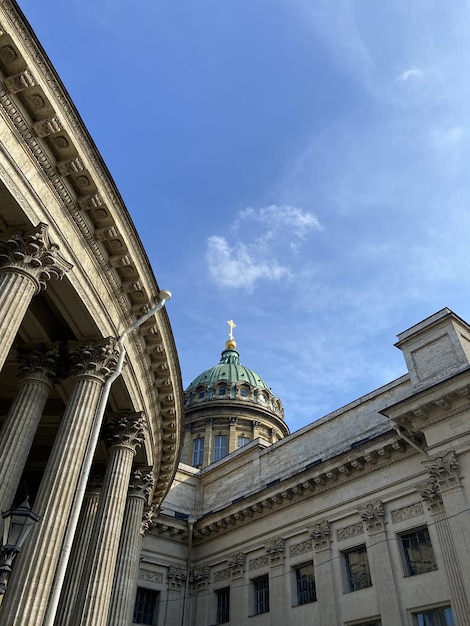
40	112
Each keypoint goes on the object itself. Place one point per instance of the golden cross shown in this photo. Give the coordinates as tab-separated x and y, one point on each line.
232	326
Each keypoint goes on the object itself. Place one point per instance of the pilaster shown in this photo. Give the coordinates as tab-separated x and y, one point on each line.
445	500
123	435
208	443
324	575
32	577
27	262
373	517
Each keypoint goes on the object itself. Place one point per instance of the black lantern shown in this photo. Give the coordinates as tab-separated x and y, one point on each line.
18	524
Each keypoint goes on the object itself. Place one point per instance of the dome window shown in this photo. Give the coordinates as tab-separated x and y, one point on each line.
244	392
200	394
222	391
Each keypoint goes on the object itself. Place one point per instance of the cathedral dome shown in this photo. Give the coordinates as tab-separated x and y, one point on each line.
226	407
229	370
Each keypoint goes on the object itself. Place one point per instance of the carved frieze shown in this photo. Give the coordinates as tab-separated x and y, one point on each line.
260	561
353	530
407	512
151	576
301	548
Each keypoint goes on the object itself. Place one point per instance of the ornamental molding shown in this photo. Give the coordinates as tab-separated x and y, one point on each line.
407	512
353	530
150	576
33	254
95	360
320	535
429	492
373	515
442	407
40	363
301	548
125	431
315	482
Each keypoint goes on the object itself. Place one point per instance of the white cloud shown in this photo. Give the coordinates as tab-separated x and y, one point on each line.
411	73
239	266
264	236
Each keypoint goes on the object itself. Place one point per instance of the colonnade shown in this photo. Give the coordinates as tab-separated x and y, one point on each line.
100	562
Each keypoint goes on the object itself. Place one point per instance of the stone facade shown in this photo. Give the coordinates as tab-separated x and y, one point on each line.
359	518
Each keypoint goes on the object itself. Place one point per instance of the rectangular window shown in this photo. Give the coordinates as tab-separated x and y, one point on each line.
357	569
145	609
418	553
243	441
223	605
198	451
261	595
437	617
305	584
220	447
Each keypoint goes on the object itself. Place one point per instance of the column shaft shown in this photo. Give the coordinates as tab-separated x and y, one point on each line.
78	553
34	568
127	566
18	432
16	292
95	591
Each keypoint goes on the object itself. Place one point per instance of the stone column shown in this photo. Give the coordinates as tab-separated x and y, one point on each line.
27	262
208	443
123	435
79	550
255	424
444	499
324	575
37	369
373	516
127	567
34	569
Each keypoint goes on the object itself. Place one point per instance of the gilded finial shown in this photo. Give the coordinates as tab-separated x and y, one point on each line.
231	344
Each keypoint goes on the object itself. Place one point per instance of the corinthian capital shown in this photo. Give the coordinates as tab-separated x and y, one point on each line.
125	430
444	470
141	483
98	359
39	363
32	253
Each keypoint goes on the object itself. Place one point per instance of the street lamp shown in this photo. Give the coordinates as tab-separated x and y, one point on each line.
18	524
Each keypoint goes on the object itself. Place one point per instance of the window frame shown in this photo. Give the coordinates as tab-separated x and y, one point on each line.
223	605
220	450
260	588
198	451
446	613
411	566
245	439
353	578
304	586
146	612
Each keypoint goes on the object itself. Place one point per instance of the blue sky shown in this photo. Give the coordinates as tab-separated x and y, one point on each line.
298	166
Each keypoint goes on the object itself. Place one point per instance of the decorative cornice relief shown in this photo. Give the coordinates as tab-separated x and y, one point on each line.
307	484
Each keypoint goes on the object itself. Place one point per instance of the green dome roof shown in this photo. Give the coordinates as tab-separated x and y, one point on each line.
231	370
